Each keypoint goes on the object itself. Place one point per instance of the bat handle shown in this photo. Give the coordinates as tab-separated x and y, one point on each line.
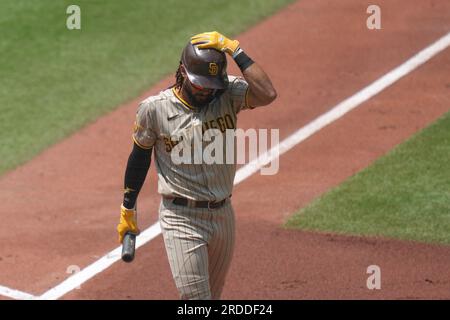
128	247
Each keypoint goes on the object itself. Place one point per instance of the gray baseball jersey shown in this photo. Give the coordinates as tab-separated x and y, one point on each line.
199	242
161	119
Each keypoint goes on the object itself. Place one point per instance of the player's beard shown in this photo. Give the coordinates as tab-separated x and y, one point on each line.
198	100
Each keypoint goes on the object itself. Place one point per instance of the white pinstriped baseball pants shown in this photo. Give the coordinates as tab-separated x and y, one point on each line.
199	244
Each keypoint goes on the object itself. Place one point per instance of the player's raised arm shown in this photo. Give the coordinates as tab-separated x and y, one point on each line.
261	91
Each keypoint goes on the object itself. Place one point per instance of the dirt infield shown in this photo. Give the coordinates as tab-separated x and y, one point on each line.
63	206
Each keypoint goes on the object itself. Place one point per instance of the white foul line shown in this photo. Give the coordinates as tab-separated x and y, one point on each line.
246	171
90	271
342	108
15	294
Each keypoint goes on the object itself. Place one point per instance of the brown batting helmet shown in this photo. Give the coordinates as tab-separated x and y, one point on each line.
206	68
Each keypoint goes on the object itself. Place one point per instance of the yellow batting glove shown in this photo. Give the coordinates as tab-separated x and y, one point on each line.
215	40
128	222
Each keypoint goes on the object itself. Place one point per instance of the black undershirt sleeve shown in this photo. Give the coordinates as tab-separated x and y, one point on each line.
137	168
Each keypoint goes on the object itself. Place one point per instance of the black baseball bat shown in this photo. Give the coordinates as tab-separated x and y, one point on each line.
128	247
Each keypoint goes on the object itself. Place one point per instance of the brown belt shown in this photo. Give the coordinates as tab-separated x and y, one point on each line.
198	204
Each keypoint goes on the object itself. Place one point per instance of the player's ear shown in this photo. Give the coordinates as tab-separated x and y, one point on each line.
183	71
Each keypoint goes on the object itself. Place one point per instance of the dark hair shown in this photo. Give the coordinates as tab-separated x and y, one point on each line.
178	78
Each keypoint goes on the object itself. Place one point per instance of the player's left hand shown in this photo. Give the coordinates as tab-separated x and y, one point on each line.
128	222
215	40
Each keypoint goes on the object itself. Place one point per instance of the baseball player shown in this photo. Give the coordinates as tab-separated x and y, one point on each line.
195	214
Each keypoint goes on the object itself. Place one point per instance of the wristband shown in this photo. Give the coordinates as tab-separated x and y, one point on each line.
235	53
242	59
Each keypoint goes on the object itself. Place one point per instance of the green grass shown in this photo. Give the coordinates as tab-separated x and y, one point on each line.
54	81
405	194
